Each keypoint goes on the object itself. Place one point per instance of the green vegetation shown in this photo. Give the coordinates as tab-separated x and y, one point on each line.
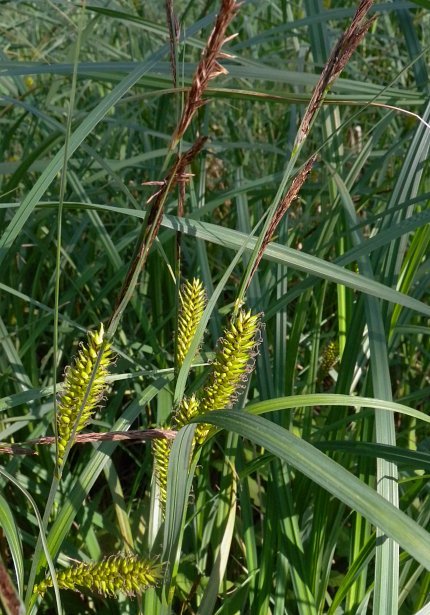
136	157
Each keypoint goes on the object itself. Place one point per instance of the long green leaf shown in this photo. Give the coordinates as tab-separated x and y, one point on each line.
9	527
295	259
333	399
329	475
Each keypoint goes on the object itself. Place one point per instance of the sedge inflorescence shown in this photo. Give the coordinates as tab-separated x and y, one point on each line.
192	302
329	358
161	450
188	408
125	574
232	361
232	364
82	390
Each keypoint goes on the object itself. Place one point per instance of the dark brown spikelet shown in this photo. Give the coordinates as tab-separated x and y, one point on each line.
208	67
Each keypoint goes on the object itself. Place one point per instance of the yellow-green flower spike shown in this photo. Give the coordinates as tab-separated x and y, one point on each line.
161	448
74	391
230	369
231	363
188	408
231	366
192	301
329	358
121	573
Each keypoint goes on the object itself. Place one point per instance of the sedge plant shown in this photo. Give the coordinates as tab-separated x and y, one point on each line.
85	382
258	535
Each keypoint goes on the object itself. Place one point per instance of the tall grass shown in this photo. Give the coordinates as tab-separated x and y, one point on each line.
120	178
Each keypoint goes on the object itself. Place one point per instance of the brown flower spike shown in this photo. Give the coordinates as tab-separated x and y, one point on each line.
208	67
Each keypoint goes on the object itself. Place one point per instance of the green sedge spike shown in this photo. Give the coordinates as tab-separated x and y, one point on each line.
192	302
229	371
188	408
329	358
232	362
231	366
117	574
75	389
161	448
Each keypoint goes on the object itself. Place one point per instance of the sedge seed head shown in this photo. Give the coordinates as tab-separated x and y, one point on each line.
125	574
188	408
74	393
233	361
329	358
192	302
161	448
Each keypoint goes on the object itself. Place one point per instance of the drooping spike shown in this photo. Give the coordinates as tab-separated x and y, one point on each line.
121	573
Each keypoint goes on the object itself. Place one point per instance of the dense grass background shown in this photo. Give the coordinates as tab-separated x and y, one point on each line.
285	513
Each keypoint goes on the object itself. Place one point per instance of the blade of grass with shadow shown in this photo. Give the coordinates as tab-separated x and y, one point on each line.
329	475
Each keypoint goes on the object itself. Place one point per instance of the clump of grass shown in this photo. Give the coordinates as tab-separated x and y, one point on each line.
315	572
